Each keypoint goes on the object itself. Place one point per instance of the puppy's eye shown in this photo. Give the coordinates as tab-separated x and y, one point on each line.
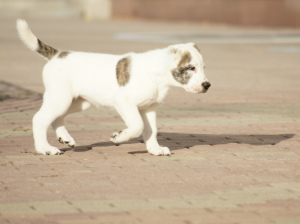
192	68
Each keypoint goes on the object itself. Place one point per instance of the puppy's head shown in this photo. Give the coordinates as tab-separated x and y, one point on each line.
188	68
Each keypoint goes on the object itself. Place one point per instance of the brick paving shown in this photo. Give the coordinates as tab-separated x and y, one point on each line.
15	98
235	150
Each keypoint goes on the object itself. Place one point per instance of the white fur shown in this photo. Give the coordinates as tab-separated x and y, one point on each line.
80	80
26	35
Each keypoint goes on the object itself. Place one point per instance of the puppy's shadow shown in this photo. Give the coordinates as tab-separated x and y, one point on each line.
177	141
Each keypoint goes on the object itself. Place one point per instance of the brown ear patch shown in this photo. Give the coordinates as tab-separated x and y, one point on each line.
123	71
45	50
181	74
185	59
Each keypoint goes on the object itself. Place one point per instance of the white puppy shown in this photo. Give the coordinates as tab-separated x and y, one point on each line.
134	84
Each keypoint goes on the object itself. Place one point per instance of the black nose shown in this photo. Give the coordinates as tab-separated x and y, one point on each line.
206	85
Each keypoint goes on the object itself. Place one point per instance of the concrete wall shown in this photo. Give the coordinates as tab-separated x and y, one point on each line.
87	9
277	13
238	12
39	8
95	9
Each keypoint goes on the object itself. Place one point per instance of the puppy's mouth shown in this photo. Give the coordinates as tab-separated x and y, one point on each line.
196	90
203	88
203	91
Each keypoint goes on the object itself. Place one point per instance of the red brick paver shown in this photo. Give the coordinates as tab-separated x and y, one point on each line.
235	150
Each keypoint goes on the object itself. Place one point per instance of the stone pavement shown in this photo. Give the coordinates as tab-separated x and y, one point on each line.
235	150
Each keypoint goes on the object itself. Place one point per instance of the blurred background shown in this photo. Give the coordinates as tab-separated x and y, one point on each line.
230	33
273	13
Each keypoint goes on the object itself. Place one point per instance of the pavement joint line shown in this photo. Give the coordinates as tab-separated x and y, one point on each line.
216	199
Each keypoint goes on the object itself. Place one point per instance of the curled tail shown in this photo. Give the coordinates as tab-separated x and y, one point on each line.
32	42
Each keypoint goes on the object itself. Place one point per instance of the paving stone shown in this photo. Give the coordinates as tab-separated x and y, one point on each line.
235	150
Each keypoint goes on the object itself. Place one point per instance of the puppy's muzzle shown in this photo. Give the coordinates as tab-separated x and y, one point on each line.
206	86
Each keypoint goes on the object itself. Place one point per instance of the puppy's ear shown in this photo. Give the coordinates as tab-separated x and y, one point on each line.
197	48
173	50
175	53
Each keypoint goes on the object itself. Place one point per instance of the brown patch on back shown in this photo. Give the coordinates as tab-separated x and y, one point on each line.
123	71
63	54
45	50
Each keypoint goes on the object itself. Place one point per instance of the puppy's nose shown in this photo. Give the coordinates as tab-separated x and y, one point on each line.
206	85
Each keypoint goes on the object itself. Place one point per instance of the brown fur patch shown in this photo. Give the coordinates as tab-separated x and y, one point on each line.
46	51
63	54
181	74
123	71
185	59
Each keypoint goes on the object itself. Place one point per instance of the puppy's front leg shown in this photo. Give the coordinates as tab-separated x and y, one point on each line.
132	118
150	133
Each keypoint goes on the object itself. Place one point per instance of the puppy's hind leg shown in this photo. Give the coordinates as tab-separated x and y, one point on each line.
54	106
62	134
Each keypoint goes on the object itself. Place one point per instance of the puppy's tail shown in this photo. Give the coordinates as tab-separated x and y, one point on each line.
32	42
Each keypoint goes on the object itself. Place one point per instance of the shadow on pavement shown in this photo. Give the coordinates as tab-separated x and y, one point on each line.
177	141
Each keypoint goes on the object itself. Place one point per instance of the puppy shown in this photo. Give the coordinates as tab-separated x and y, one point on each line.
134	84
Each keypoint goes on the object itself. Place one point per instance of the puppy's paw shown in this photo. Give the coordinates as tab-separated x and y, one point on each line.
68	141
114	137
50	150
160	151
